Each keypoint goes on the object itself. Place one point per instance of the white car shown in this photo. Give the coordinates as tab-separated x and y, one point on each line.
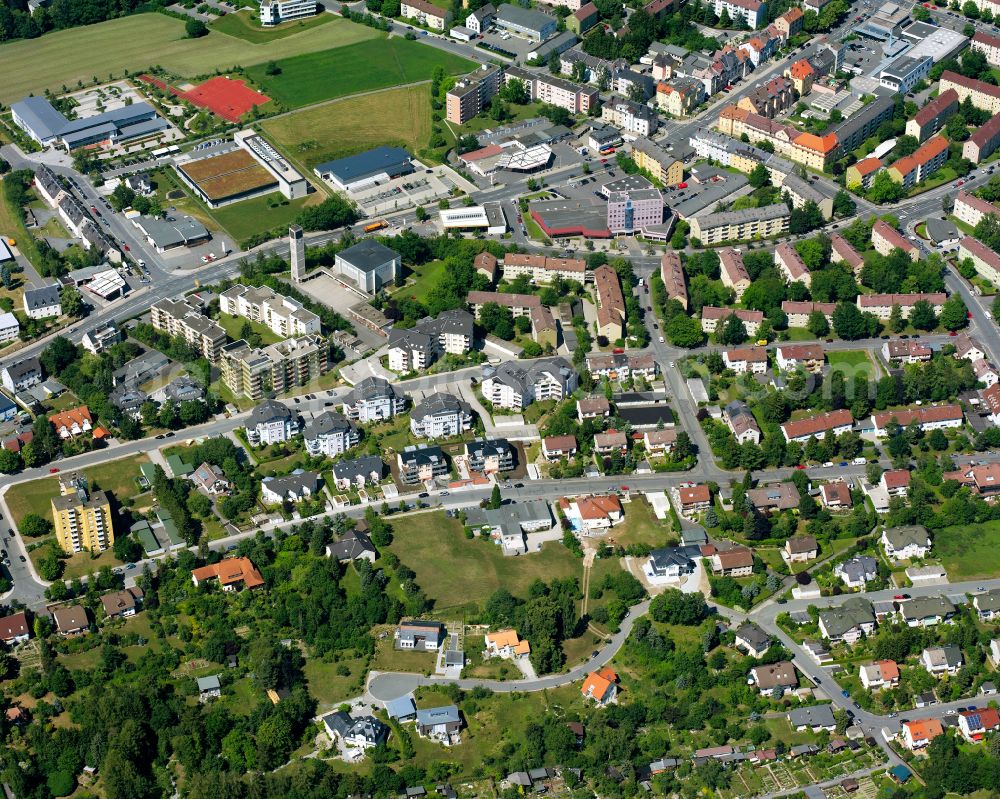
859	461
661	339
828	464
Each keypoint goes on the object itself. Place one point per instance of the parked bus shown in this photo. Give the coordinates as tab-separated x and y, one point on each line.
373	226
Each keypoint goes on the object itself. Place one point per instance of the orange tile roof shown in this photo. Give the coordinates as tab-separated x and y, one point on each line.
793	14
698	493
889	669
868	165
598	683
599	507
801	69
924	729
502	638
820	144
70	417
230	571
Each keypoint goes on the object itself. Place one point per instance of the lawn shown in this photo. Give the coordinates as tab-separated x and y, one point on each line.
342	128
641	526
116	477
425	278
246	26
234	324
969	551
475	568
359	67
330	688
852	362
137	42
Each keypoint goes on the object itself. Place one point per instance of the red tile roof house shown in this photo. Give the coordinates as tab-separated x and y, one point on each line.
232	574
895	482
610	442
839	421
836	495
14	629
881	674
695	498
976	723
928	417
601	686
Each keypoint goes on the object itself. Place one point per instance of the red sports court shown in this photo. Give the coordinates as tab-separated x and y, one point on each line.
229	98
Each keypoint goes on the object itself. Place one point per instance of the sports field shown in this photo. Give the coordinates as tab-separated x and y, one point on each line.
245	25
143	40
360	67
345	127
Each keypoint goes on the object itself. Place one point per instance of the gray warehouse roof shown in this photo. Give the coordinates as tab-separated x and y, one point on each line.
166	234
524	17
394	160
368	255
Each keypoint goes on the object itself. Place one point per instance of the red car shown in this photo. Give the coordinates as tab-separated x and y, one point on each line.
899	596
53	470
127	249
800	466
953	333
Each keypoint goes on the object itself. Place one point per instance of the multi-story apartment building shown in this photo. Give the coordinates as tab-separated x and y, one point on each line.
181	319
988	45
434	17
791	265
928	418
881	304
672	274
276	368
752	12
862	173
712	317
284	316
924	162
732	271
271	423
680	96
471	95
421	464
744	225
329	435
984	95
770	98
374	399
543	324
986	261
82	519
575	98
630	116
885	239
274	12
984	141
970	209
411	350
610	303
490	455
542	269
512	385
931	118
440	416
664	167
843	253
798	313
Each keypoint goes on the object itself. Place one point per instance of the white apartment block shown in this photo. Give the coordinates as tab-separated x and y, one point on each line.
284	316
274	12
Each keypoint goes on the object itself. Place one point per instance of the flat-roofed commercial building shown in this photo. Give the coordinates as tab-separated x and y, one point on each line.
356	172
37	117
525	22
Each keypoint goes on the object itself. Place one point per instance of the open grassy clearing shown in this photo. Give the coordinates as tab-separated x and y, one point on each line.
140	41
359	67
246	26
968	551
116	477
425	278
455	571
641	526
245	218
339	129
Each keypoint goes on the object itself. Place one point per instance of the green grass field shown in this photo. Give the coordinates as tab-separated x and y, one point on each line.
116	477
143	40
851	363
425	278
245	218
359	67
346	127
455	571
234	324
641	526
969	551
247	26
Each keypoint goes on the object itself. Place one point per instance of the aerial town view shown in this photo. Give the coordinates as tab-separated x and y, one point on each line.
433	398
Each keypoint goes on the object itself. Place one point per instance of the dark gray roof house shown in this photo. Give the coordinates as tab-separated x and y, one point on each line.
815	717
44	297
356	469
352	546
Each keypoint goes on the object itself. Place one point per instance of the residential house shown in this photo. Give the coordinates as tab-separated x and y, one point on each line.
354	545
733	272
426	636
611	442
807	356
593	408
927	417
942	660
330	434
71	620
490	455
881	674
746	359
42	303
905	351
271	422
439	723
601	686
712	317
926	611
775	677
365	732
294	487
776	497
918	733
694	498
848	622
735	562
836	495
421	464
374	399
210	479
209	688
592	514
801	430
815	718
659	442
976	723
440	416
232	574
800	549
895	482
987	604
507	645
22	375
907	542
858	571
122	604
358	472
752	639
555	448
842	252
791	265
742	422
14	629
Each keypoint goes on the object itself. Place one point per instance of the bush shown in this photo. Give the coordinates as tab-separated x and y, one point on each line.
34	526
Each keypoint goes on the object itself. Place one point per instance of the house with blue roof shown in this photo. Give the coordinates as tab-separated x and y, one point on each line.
439	723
